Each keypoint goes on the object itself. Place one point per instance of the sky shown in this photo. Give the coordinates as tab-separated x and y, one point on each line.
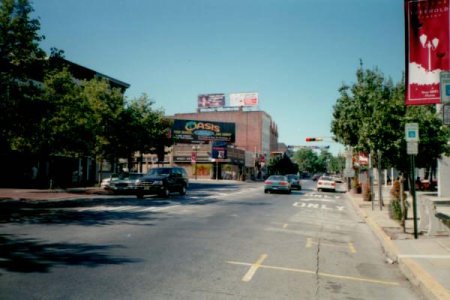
295	54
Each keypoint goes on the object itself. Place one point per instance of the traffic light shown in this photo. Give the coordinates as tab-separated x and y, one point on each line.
314	139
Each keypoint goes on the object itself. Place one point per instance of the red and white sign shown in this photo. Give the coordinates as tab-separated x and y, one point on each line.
363	159
244	99
193	157
427	49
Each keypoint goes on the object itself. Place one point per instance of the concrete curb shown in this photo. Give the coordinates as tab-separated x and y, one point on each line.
412	270
422	279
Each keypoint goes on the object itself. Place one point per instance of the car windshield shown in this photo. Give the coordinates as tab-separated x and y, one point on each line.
292	177
135	176
325	178
159	171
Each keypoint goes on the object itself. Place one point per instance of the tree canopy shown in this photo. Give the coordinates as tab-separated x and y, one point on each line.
46	111
370	116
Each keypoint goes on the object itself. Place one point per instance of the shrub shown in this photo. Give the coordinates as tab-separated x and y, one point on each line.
395	209
395	205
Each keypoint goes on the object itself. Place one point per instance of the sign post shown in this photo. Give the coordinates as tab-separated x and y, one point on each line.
445	86
446	113
412	149
194	159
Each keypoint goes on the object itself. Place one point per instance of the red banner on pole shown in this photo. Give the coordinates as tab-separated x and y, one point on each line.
427	49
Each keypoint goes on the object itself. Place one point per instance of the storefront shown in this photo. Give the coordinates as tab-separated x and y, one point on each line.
197	161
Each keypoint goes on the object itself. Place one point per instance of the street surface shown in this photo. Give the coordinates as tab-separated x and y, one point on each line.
220	241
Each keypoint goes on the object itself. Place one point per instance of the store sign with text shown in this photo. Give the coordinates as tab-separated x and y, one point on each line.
194	131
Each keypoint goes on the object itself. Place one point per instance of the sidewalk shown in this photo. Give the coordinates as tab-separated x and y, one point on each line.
425	261
51	195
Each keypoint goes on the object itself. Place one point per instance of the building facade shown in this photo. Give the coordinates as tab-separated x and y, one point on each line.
256	137
255	130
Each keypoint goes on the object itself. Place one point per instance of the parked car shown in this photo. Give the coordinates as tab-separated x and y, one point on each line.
326	183
124	183
316	177
294	180
162	182
105	183
277	183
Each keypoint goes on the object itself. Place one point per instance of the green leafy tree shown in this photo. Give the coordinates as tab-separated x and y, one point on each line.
282	165
370	116
306	159
67	127
108	120
152	128
433	136
19	57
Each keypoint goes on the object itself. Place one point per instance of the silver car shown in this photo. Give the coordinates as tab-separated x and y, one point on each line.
277	183
124	183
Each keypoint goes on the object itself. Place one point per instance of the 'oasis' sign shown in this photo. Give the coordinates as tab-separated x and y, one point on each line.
194	131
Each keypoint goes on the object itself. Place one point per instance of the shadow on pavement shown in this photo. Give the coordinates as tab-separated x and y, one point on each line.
27	255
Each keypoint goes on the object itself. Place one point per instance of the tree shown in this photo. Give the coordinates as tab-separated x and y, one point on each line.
370	116
307	160
152	128
109	121
282	165
433	136
19	56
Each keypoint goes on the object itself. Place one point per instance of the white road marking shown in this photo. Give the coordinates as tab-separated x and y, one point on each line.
318	206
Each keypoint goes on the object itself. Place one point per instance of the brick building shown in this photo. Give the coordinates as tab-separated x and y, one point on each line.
255	138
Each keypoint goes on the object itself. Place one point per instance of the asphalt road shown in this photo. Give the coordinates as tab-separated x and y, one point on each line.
221	241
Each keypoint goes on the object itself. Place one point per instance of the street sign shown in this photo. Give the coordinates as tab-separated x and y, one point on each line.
446	113
412	132
445	86
193	157
412	148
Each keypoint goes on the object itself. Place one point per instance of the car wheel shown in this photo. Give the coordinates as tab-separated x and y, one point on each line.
165	193
140	196
265	191
183	190
289	191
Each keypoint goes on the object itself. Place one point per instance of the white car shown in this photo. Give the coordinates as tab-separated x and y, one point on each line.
106	183
326	183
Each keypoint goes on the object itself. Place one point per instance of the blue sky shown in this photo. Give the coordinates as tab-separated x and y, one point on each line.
294	53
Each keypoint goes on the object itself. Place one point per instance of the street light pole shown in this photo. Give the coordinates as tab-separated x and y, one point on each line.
195	148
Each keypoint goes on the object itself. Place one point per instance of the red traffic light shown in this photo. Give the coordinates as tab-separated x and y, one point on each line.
313	139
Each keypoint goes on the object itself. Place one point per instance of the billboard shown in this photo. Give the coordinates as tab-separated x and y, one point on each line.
244	99
211	100
427	49
194	131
